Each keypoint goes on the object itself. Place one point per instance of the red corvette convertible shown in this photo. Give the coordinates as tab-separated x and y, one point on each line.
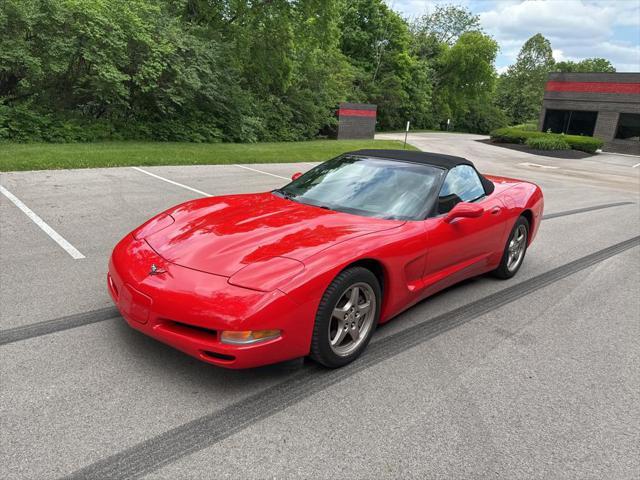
313	267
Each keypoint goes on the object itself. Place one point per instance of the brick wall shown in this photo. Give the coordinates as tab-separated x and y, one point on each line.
606	125
356	121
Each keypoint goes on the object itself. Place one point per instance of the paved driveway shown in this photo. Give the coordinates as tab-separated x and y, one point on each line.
537	377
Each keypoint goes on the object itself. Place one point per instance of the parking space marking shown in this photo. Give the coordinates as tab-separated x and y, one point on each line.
164	449
636	165
55	236
260	171
200	192
537	165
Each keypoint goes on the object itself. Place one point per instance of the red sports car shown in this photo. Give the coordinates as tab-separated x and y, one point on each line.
313	267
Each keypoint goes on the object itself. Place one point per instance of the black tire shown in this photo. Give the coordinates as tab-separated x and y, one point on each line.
503	271
321	349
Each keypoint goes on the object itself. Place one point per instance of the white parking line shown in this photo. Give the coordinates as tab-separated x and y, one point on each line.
260	171
55	236
537	165
636	165
172	182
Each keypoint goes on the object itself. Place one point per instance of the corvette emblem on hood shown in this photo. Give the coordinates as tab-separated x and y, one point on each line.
155	270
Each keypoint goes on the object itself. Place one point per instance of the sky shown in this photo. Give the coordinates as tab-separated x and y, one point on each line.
577	29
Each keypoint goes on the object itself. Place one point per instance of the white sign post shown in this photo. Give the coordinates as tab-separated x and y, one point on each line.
406	132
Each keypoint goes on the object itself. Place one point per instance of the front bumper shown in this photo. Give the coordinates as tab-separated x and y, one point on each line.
189	309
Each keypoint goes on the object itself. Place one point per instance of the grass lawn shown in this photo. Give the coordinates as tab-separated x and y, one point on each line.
45	156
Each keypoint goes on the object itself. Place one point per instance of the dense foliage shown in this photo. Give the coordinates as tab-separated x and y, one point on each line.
251	70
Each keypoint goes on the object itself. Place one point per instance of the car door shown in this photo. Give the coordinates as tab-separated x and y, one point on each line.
463	247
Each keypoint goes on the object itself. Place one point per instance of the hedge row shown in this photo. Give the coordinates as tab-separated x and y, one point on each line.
517	135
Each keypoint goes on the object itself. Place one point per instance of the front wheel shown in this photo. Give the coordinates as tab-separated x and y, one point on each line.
514	250
347	317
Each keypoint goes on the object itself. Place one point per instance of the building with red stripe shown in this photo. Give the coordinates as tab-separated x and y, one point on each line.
604	105
356	120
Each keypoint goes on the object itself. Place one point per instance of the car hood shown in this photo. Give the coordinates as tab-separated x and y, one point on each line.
221	235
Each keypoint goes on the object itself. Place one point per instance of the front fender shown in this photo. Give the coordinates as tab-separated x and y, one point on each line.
400	252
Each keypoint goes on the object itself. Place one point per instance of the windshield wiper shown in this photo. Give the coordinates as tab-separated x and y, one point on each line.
284	194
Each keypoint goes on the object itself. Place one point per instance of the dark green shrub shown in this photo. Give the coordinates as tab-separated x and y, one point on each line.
517	135
529	126
585	144
547	143
513	135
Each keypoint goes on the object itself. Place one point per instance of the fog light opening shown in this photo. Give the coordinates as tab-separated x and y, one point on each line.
218	356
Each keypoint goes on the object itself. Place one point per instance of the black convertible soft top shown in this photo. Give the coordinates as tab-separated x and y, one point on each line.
436	159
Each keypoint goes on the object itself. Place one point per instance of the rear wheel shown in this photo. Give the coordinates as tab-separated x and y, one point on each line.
347	317
514	251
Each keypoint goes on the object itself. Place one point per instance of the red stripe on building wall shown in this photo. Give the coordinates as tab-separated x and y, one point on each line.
347	112
593	87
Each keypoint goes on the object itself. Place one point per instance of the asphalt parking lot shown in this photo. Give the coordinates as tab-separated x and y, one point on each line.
536	377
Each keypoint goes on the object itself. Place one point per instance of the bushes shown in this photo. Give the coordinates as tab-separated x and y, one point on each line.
585	144
517	135
547	143
529	126
21	124
513	135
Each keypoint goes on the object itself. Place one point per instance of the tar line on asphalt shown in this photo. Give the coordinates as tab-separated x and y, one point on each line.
166	448
73	321
549	216
51	326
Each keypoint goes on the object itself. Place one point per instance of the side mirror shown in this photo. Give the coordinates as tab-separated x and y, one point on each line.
296	175
464	210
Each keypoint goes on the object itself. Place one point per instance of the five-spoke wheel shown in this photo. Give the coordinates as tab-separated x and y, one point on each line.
515	250
352	318
517	246
346	318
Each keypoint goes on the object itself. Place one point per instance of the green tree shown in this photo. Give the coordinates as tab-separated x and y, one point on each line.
445	24
375	39
466	82
292	72
116	62
587	65
520	89
459	58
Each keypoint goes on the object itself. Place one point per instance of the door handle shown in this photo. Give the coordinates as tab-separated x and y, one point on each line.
495	210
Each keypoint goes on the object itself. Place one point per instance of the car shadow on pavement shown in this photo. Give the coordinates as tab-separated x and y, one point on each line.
165	361
156	357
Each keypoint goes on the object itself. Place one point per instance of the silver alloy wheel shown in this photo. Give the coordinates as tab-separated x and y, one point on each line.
517	246
352	318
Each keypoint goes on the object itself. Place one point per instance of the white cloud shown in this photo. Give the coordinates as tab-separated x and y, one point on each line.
577	29
626	12
569	18
558	56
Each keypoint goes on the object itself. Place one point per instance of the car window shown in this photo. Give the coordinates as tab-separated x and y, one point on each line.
369	186
461	184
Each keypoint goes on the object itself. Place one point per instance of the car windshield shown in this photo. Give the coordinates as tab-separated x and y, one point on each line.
368	186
